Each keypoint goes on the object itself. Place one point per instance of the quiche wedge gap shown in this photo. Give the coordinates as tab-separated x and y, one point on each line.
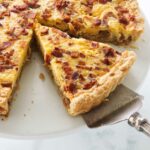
86	72
15	36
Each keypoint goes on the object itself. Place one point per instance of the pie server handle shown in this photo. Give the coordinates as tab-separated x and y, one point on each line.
123	105
140	123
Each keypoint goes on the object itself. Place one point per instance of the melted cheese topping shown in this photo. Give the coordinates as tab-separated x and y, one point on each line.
15	35
76	63
116	21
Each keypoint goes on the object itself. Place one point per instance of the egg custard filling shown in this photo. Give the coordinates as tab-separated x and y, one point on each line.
117	21
86	72
15	36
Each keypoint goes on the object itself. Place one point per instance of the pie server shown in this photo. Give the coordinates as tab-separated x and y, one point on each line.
122	104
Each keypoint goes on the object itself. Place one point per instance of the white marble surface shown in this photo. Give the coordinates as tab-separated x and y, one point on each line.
116	137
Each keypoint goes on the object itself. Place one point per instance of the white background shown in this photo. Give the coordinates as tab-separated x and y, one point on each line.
103	138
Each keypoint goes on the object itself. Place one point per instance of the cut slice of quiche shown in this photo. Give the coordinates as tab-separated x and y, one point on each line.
86	72
117	21
15	35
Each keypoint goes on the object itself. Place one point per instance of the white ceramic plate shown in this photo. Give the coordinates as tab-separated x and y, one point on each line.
37	109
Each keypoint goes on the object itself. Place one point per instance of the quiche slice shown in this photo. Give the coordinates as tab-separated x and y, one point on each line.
86	72
117	21
15	36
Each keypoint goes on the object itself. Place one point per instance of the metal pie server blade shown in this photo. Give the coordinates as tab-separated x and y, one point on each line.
122	104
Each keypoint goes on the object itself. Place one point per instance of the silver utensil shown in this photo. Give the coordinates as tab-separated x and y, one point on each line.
122	104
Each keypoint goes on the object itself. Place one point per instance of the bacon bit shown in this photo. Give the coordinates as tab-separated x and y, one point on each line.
28	15
61	4
84	67
74	54
21	7
68	52
106	69
131	17
4	67
89	85
7	13
24	32
95	44
75	75
106	16
97	68
90	2
58	61
80	20
63	34
82	55
2	16
117	52
70	44
68	70
27	19
2	58
122	38
112	74
65	63
104	1
72	87
106	61
97	22
82	63
14	10
92	75
42	76
66	18
13	33
57	52
76	24
6	85
109	52
123	20
68	77
29	25
1	25
81	77
5	4
5	45
32	3
71	28
44	32
47	59
46	14
9	54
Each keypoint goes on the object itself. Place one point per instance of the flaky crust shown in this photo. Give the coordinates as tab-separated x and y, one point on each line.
93	97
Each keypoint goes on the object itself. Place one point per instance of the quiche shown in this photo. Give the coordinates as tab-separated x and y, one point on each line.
116	21
15	36
86	72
